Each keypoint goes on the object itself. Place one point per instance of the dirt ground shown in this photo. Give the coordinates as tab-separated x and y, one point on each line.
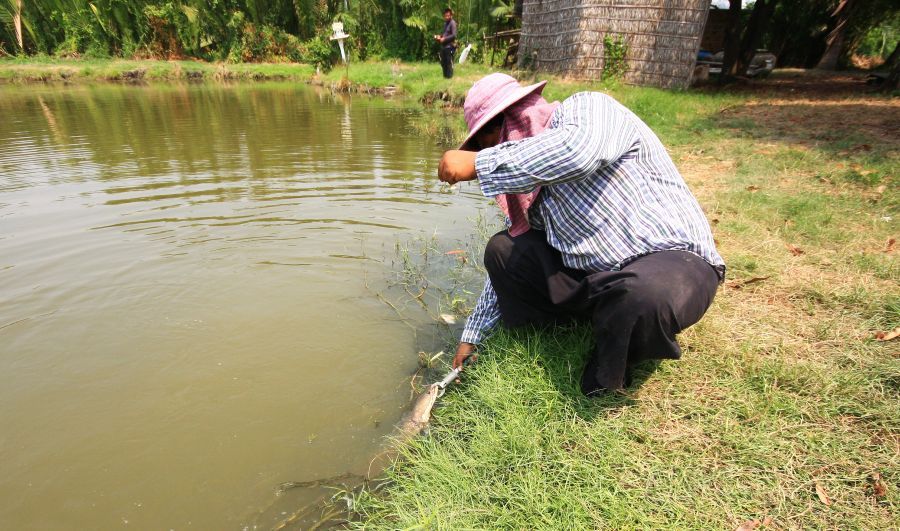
802	83
825	106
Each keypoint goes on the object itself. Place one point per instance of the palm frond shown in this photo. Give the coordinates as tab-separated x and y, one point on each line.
415	22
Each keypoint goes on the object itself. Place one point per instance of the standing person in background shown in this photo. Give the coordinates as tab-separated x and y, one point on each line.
448	43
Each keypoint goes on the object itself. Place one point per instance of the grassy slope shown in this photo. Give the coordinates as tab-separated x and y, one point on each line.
783	398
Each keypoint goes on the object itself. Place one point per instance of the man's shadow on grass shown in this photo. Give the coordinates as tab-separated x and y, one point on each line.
563	351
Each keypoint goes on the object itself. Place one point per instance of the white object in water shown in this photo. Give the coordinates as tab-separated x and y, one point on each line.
340	36
465	53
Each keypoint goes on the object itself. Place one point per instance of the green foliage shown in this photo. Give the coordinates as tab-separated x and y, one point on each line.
83	34
263	43
281	30
503	9
615	50
243	30
879	41
798	29
170	29
318	51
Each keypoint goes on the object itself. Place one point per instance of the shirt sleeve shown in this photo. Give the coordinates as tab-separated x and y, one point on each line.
587	132
483	318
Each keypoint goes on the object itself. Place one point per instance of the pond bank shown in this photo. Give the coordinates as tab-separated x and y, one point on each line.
420	81
45	70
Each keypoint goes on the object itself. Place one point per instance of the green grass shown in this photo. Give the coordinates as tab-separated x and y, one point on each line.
415	80
43	69
725	436
783	397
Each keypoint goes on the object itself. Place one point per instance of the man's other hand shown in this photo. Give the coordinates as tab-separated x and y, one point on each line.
456	166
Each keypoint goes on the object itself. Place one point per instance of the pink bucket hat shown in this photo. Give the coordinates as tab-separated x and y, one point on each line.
490	96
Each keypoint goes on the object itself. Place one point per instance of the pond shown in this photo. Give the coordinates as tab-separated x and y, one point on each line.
196	296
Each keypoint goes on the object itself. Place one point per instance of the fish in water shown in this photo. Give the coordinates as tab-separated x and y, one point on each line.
411	425
414	422
417	419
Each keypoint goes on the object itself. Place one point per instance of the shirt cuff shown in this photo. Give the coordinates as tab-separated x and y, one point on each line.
474	337
486	161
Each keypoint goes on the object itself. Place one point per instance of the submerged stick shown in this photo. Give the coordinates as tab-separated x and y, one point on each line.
288	485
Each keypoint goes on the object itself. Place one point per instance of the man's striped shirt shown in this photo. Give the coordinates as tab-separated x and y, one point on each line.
610	193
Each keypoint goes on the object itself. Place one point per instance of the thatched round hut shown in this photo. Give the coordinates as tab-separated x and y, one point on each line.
646	42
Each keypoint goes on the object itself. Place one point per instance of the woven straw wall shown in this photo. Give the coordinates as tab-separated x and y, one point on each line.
565	37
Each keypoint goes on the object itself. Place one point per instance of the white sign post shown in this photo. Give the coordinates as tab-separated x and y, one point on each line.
340	36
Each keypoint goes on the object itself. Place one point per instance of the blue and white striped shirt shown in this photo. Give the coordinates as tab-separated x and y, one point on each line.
610	193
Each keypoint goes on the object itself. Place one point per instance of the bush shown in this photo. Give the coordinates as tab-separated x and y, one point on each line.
615	52
83	35
261	43
319	51
165	41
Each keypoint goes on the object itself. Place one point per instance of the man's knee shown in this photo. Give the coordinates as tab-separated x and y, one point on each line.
497	252
673	305
645	297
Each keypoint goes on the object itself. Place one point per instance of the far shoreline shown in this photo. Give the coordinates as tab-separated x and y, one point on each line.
420	81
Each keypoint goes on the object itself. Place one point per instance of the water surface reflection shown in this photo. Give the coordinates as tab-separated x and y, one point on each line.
185	315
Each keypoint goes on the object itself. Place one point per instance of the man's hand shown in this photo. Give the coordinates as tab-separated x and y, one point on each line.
463	352
457	165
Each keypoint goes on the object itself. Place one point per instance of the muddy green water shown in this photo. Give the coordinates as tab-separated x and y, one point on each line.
185	320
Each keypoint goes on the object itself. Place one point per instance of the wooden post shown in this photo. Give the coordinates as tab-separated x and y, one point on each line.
17	22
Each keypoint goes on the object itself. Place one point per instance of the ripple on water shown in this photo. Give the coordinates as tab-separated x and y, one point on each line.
190	273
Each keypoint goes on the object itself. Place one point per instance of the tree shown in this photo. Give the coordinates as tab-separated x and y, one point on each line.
893	62
17	22
732	41
836	37
756	27
740	46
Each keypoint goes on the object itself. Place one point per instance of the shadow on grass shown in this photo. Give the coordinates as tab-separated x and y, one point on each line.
561	353
847	142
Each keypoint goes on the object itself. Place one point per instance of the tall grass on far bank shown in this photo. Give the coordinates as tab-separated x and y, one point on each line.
784	409
421	81
43	69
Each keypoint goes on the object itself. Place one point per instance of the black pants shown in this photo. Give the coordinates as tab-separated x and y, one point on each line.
635	312
447	60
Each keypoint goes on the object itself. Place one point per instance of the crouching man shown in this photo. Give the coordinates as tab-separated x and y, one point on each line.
601	226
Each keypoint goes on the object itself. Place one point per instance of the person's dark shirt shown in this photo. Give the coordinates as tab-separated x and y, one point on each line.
449	35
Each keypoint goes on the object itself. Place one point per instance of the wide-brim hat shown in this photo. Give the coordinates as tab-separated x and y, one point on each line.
490	96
